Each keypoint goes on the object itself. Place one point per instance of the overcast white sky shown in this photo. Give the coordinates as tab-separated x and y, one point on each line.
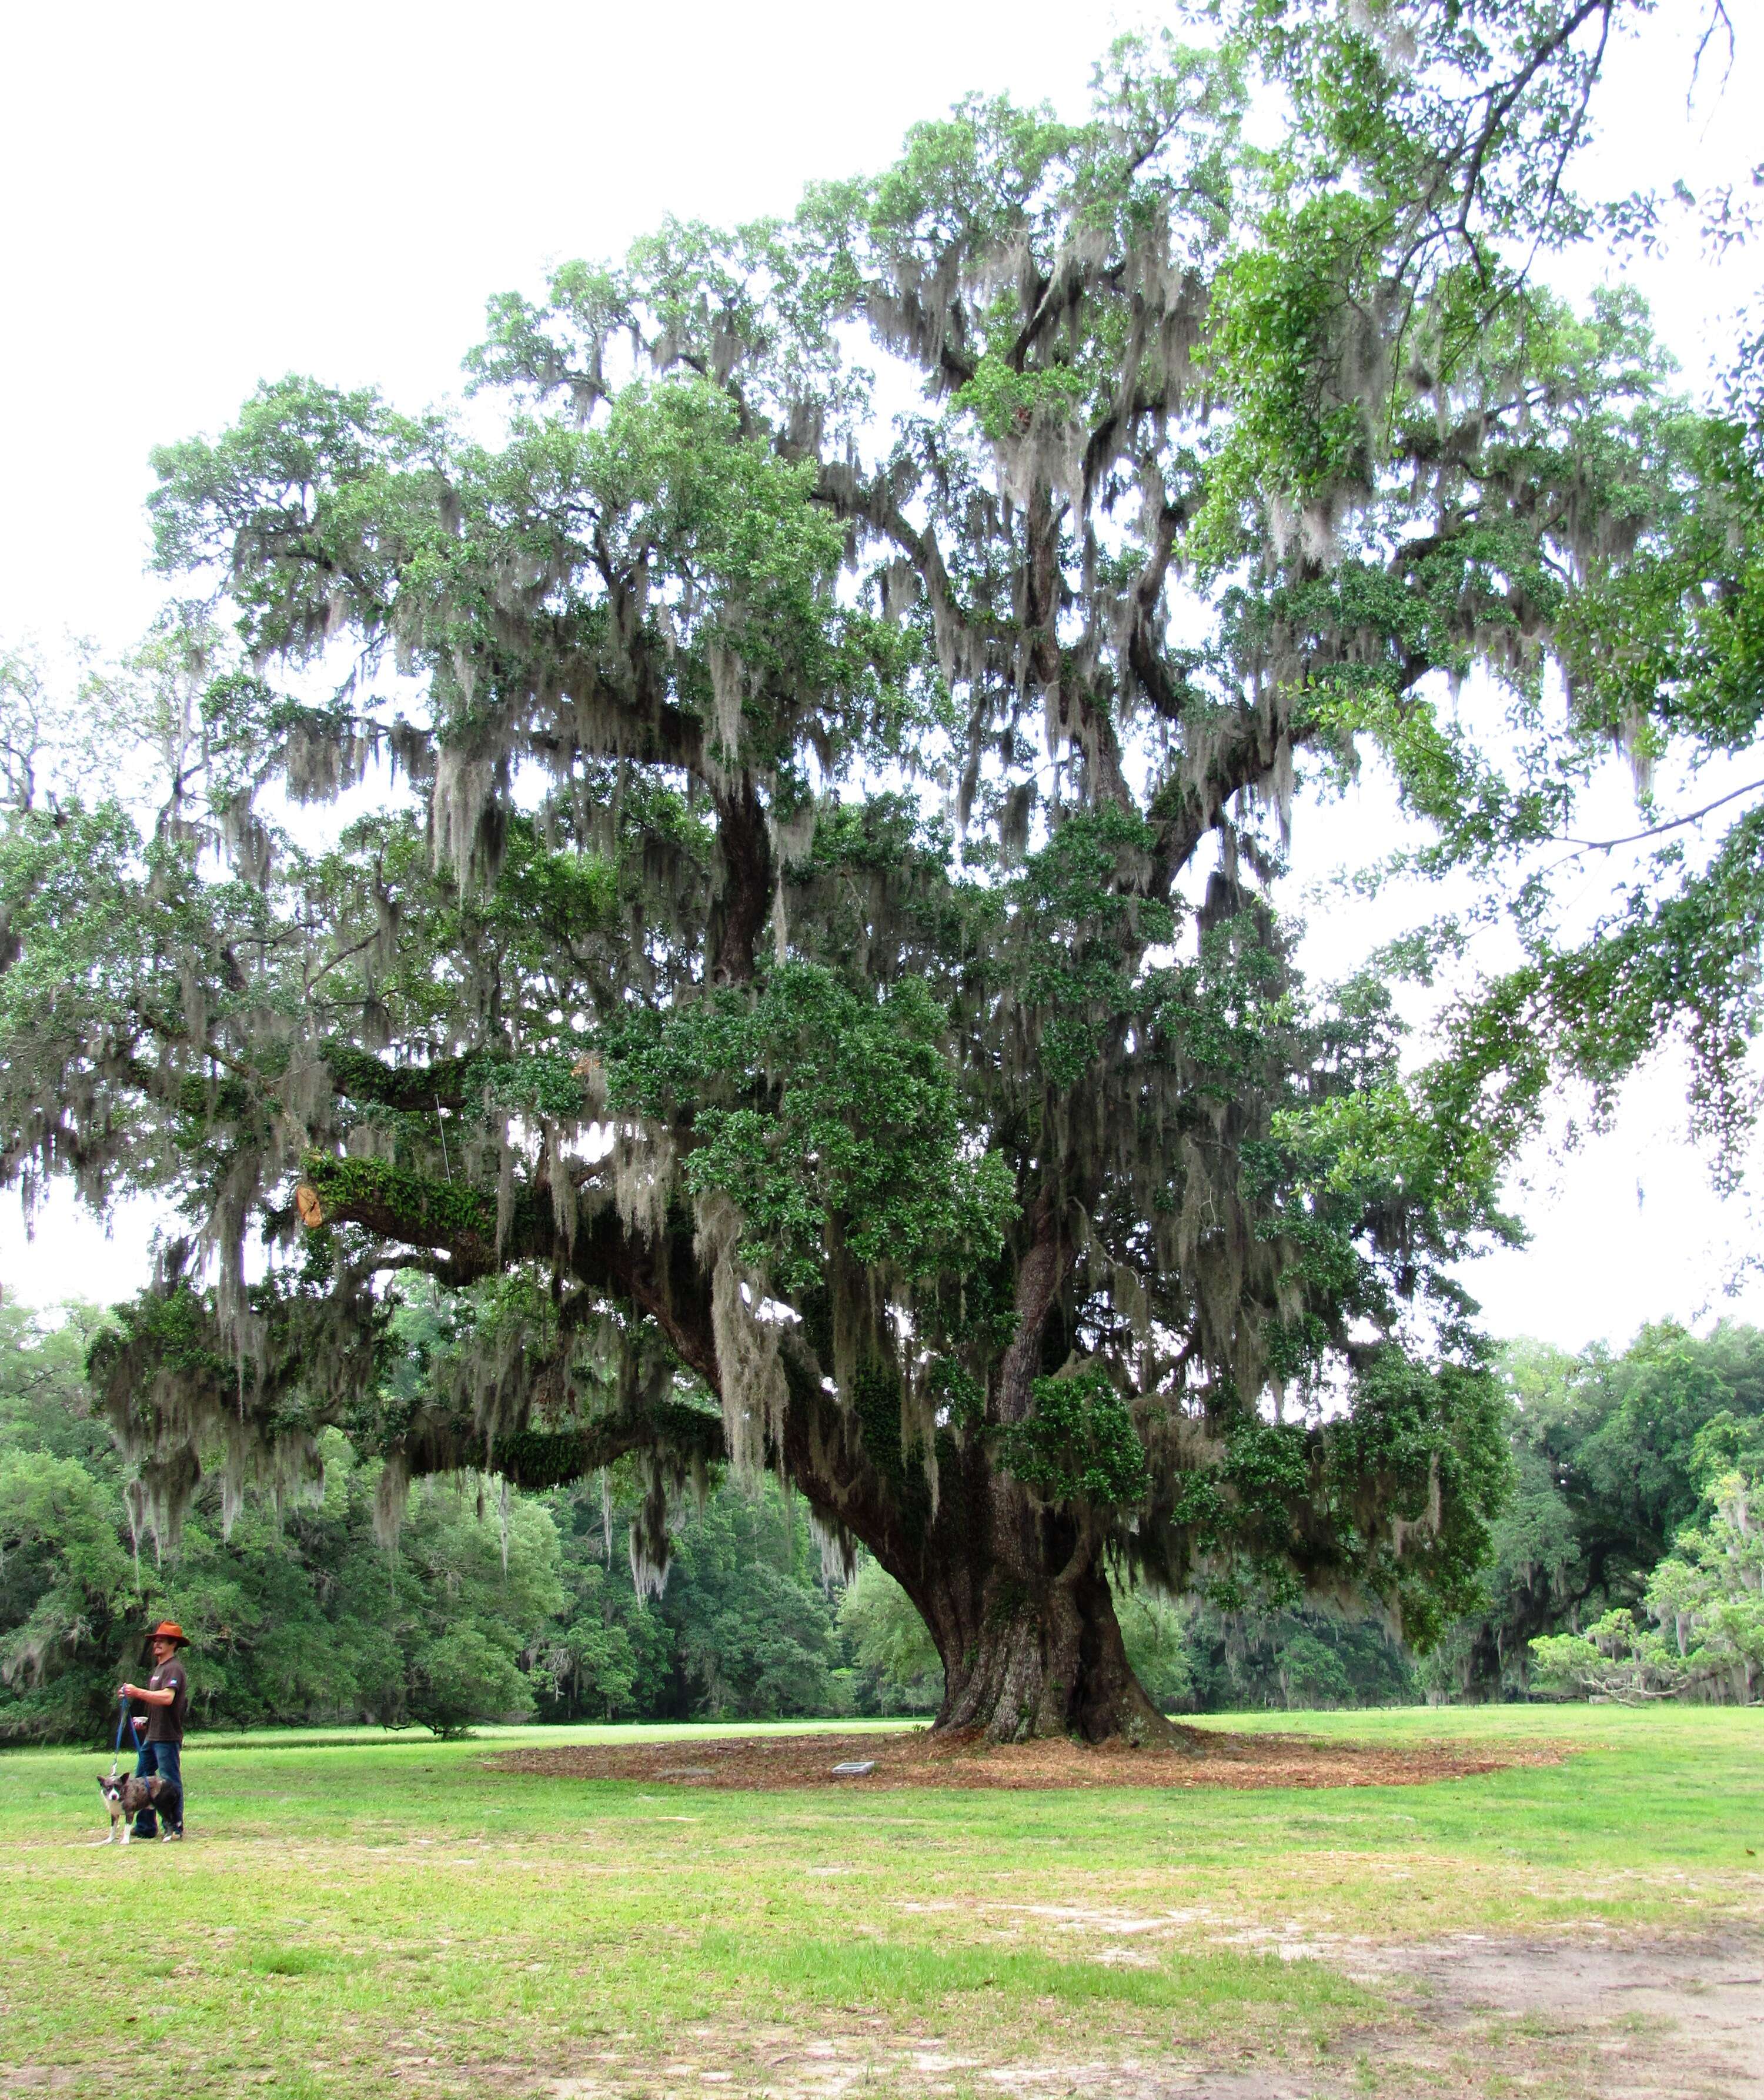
199	196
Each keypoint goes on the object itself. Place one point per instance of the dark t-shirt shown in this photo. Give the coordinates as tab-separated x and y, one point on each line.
164	1724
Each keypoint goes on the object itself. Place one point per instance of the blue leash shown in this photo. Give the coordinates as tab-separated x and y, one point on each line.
125	1726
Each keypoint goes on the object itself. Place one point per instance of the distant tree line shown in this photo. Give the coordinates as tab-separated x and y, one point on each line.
1627	1564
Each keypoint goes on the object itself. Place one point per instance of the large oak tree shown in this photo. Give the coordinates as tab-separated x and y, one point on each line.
804	987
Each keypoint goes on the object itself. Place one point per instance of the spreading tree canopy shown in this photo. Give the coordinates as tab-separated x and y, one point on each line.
794	962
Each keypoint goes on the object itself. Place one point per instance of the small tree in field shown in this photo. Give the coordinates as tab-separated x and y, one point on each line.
813	1003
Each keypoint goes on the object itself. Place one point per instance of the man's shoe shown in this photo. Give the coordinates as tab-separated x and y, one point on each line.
171	1837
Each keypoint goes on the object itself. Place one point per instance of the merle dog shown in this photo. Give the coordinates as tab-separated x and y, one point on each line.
126	1794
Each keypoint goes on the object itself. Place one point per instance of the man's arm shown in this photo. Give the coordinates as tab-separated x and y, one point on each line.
147	1698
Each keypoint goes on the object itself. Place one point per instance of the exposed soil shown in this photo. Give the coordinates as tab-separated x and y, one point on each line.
916	1758
1667	2018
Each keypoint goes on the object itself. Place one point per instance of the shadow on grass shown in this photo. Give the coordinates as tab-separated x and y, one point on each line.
294	1961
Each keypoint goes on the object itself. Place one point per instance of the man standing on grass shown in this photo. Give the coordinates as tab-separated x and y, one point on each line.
166	1697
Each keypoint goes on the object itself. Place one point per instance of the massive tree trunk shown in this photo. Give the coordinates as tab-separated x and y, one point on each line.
1040	1658
1011	1591
1024	1621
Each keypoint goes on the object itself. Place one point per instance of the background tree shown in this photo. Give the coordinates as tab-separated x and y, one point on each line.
1615	1455
891	1642
787	1009
1699	1631
66	1571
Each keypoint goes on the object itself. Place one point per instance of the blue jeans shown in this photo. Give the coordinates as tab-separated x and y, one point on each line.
161	1757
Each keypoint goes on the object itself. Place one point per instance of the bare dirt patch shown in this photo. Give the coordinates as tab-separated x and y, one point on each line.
915	1758
1620	2020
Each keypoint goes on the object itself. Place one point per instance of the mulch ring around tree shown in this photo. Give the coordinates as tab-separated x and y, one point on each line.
916	1758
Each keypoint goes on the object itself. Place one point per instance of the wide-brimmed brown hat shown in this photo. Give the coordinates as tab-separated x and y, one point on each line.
168	1630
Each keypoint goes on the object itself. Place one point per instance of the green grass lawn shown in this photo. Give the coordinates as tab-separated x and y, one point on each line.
356	1914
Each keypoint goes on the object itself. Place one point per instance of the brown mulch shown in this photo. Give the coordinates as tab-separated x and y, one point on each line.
916	1758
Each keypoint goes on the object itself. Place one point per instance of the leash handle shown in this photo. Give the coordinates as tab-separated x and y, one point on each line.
123	1725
